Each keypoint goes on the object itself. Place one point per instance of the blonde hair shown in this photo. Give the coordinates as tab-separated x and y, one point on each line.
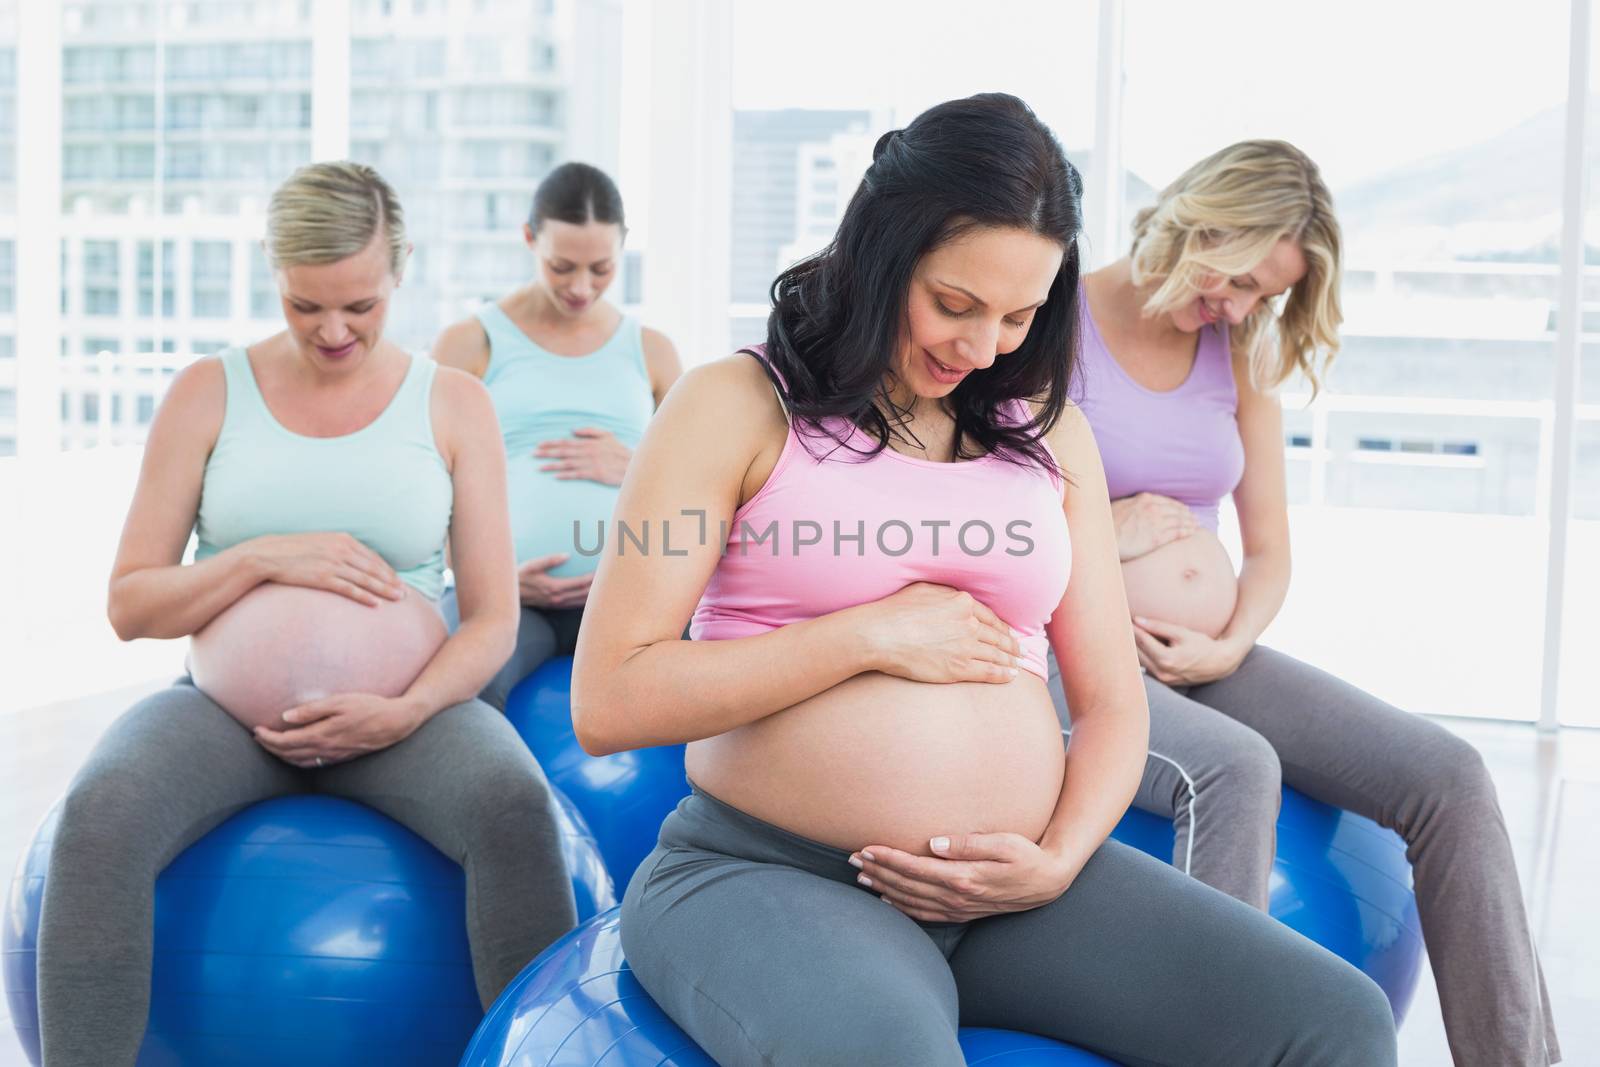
1222	217
325	212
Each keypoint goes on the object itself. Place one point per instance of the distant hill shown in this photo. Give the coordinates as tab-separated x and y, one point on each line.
1506	189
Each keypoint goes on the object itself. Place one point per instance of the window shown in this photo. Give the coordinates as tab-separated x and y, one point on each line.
100	294
136	162
8	277
1431	413
212	275
264	300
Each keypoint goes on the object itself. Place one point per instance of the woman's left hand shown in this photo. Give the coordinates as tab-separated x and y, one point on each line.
1176	655
968	877
590	454
339	728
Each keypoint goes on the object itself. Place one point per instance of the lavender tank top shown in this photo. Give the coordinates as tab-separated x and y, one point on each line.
1182	443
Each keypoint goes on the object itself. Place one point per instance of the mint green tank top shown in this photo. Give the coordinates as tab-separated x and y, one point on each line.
540	396
385	484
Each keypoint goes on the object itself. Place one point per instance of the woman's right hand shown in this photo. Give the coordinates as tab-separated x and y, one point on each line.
336	562
933	633
1146	521
539	590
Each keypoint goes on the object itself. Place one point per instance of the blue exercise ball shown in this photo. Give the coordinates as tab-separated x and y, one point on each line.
1339	879
579	1005
624	796
305	930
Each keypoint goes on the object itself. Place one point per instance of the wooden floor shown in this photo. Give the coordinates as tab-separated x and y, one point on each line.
1549	787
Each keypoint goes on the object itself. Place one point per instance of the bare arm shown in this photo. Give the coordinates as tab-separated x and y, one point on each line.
463	346
1262	503
151	593
661	360
1093	643
636	682
480	535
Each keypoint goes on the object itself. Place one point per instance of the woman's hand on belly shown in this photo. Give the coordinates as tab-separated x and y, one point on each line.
970	876
339	728
933	633
335	562
538	589
1146	521
590	453
1176	655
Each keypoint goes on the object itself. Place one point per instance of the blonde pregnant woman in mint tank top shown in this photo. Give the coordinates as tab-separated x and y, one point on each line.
574	382
322	470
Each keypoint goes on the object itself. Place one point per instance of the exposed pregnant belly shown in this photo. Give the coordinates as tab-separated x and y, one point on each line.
884	760
544	507
279	646
1189	582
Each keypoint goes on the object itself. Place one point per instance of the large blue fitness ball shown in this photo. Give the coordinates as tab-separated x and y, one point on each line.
305	930
624	796
579	1005
1339	879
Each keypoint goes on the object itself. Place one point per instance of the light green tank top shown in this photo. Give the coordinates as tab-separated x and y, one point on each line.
385	484
540	396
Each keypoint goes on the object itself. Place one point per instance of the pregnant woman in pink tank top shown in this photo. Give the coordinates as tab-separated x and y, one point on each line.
1183	341
880	521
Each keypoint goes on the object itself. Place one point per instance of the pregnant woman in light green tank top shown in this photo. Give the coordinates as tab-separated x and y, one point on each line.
574	381
322	469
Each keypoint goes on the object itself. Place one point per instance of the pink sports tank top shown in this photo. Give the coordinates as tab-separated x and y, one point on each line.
831	529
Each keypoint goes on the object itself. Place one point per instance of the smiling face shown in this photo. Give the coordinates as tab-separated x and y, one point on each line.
577	261
971	301
336	311
1233	299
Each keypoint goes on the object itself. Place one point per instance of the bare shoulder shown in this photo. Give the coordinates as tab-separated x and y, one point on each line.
461	410
734	386
1072	439
201	382
195	403
460	395
463	345
656	344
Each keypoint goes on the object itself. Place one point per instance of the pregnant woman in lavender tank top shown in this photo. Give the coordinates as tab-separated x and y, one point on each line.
1182	342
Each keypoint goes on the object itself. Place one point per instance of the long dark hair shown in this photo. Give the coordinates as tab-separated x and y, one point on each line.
576	193
839	316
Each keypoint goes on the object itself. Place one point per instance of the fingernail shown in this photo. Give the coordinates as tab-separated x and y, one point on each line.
940	844
1140	619
864	880
1013	672
867	855
1016	661
855	861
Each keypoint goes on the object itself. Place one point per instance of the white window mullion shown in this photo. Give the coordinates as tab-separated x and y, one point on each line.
1104	183
686	284
1569	342
330	80
38	247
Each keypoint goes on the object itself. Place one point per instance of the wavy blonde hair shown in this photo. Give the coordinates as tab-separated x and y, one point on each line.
325	212
1222	217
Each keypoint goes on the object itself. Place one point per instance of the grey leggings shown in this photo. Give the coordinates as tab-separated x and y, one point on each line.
760	944
1218	755
176	765
541	635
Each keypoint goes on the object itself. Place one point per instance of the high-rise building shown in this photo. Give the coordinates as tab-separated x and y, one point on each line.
180	116
766	152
